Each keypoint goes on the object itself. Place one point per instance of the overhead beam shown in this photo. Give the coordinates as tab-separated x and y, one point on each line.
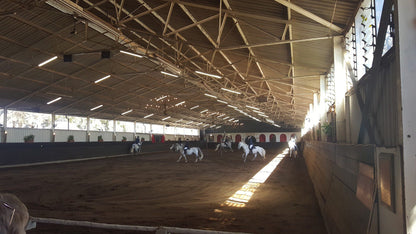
276	43
232	12
144	13
310	15
193	25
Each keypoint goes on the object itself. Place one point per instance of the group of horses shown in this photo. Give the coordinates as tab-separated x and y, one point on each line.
199	155
257	150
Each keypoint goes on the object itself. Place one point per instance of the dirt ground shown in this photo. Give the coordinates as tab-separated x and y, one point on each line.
155	190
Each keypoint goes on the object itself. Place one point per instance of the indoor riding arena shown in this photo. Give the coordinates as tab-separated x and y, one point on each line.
153	190
208	116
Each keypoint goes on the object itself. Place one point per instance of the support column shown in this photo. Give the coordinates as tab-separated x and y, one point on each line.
322	96
4	130
88	129
53	129
406	34
340	88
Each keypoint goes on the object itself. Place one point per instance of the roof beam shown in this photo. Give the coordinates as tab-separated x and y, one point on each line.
194	24
232	12
144	13
310	15
276	43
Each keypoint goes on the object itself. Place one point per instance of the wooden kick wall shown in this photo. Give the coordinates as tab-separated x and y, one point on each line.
343	179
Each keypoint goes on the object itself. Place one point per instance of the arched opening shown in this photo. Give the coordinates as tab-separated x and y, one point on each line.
272	138
237	138
283	138
262	138
219	138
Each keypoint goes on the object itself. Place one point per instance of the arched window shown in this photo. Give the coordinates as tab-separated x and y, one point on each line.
237	138
262	138
272	138
283	138
219	138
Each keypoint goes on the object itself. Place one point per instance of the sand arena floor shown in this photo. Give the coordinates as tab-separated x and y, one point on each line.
155	190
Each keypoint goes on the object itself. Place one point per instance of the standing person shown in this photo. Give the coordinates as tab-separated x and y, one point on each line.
14	215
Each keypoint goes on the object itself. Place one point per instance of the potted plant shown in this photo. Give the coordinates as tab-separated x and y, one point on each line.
124	139
100	138
29	139
70	138
327	130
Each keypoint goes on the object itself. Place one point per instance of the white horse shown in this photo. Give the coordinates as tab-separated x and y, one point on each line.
136	148
293	149
193	150
256	150
224	145
14	216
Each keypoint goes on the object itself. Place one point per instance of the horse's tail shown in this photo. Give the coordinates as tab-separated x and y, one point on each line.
131	149
202	154
263	153
218	146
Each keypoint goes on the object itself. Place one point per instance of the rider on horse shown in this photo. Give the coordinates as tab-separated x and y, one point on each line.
186	147
250	140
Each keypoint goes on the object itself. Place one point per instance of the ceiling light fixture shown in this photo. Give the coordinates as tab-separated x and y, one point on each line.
126	112
204	111
132	54
209	95
252	107
180	103
234	107
95	108
222	101
99	80
168	74
161	98
54	100
147	116
194	107
166	118
178	120
47	61
231	91
207	74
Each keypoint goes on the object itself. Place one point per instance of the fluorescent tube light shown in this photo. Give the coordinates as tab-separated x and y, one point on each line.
166	118
99	80
168	74
178	120
232	106
252	107
47	61
204	111
161	98
231	91
269	120
209	95
147	116
194	107
95	108
132	54
222	101
207	74
54	100
126	112
180	103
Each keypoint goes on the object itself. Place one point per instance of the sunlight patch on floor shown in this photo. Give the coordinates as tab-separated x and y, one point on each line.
242	196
